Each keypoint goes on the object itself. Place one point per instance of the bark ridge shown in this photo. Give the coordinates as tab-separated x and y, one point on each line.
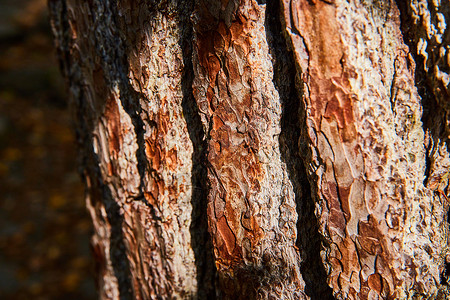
292	149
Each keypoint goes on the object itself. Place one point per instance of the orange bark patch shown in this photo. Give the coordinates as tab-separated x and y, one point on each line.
226	234
112	117
235	170
172	159
153	154
330	95
318	23
370	237
375	282
328	83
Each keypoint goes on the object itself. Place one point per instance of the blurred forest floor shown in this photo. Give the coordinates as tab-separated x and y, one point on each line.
44	227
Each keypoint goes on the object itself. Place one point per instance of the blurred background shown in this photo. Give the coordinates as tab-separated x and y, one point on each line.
44	227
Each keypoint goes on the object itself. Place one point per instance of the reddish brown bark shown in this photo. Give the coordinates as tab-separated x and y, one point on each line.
238	149
363	118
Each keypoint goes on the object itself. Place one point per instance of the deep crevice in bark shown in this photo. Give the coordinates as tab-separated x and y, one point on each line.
117	250
309	240
88	160
445	276
91	164
200	238
130	100
433	117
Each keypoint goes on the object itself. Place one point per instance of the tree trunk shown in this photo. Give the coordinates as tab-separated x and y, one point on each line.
262	149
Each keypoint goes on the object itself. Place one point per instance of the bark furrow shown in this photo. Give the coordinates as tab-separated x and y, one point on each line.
251	203
309	240
132	99
200	237
292	149
383	228
425	32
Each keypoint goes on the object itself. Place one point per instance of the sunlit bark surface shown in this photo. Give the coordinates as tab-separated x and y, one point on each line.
262	149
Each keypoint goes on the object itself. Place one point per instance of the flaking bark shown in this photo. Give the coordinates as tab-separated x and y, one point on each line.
384	232
293	149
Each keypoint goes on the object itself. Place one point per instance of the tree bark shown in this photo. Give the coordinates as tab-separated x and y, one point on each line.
292	149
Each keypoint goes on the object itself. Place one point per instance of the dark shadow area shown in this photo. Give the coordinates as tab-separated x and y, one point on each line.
90	163
129	97
445	275
293	153
200	237
131	101
85	121
117	251
435	113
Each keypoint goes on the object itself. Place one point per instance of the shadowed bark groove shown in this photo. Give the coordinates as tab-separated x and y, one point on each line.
434	113
142	247
289	129
100	194
130	102
293	120
155	179
251	204
118	255
131	99
200	237
425	48
365	137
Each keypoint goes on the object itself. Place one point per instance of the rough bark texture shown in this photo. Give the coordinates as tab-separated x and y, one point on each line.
251	203
281	150
363	124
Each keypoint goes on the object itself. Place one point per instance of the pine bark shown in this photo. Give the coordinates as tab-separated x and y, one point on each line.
292	149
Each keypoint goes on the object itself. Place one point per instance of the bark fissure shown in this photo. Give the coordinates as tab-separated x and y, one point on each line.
118	252
130	102
89	162
309	240
434	98
262	149
200	237
251	209
393	91
430	150
133	101
429	101
346	75
435	116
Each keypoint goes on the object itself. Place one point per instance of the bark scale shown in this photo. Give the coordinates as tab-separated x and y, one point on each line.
243	149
